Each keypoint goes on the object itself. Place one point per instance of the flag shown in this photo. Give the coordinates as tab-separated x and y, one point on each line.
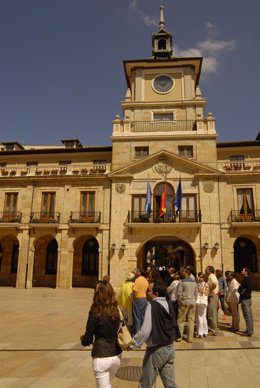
148	205
177	199
163	201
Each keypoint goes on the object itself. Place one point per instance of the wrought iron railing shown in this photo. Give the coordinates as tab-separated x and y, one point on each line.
237	216
10	216
45	218
85	217
163	126
168	217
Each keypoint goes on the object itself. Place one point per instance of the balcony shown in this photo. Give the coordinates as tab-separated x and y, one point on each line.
164	126
182	219
45	218
85	219
50	170
240	166
242	218
10	217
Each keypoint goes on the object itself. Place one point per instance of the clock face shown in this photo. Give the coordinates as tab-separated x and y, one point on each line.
163	83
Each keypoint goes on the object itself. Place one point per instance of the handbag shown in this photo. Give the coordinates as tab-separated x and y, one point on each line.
124	337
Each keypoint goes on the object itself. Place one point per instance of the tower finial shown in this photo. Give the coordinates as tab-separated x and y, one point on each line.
161	22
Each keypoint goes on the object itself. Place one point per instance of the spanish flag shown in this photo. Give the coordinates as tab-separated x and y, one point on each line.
163	201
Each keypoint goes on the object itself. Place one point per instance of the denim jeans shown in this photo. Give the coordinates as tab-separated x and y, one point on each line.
158	360
105	369
248	316
139	307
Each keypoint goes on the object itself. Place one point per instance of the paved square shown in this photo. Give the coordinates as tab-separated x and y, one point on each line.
39	346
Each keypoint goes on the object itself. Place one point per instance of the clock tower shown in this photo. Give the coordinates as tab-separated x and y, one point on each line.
163	108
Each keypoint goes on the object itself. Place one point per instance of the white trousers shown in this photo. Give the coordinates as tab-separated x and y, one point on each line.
105	370
201	319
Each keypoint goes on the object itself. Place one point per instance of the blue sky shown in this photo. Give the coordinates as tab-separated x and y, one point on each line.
61	72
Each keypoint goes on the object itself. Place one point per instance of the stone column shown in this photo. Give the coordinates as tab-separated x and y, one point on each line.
65	261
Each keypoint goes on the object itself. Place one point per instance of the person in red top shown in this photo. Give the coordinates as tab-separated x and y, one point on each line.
139	300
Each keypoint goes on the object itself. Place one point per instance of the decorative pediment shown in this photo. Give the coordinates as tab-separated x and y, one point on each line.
165	163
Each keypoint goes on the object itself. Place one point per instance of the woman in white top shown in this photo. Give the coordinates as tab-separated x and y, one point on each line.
201	307
232	299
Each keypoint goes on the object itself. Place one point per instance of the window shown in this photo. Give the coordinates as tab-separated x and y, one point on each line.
99	161
163	116
48	204
138	207
234	158
87	203
51	258
9	147
141	152
245	203
185	151
31	164
64	162
188	207
10	206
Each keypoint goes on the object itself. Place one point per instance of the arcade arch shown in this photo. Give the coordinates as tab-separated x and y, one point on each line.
9	256
85	262
245	255
45	262
168	251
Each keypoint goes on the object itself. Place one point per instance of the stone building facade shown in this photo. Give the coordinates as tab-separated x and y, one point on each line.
71	214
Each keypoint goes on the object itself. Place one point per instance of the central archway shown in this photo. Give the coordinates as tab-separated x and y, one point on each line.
166	251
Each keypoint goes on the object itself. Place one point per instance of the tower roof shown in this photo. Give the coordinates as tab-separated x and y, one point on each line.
162	39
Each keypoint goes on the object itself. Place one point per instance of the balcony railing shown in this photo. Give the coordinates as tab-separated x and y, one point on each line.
236	216
169	217
163	126
85	217
236	167
45	218
10	217
52	170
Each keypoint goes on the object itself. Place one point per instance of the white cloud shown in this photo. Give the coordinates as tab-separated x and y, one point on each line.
147	19
209	25
210	50
133	4
216	46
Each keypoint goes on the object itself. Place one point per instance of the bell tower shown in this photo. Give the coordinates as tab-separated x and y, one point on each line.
162	40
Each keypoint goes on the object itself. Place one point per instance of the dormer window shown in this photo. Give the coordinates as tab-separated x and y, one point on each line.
71	143
12	146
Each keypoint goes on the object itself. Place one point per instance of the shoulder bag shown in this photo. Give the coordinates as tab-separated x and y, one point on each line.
124	337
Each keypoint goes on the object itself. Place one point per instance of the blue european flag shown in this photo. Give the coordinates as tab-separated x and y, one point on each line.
177	199
148	205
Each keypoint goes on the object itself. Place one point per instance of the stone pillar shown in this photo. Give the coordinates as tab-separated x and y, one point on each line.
22	270
64	268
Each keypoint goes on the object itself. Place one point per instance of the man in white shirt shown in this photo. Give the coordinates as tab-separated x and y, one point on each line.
213	299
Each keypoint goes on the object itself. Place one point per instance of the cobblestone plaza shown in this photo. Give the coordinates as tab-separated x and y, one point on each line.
39	346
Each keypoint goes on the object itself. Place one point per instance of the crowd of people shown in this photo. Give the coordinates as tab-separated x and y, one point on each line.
162	306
